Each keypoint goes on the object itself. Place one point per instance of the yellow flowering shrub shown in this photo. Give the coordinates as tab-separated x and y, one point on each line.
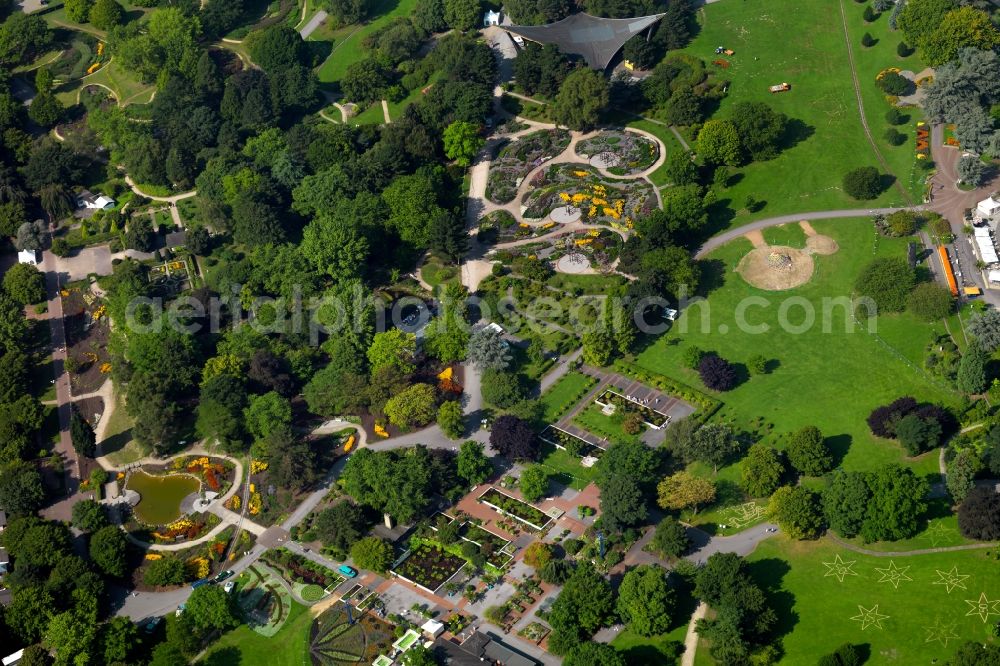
197	567
380	430
255	503
257	466
234	503
447	373
349	444
105	368
564	196
152	557
580	174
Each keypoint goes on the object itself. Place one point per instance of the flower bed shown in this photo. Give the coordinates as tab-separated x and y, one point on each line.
213	471
429	566
296	569
649	416
335	640
515	508
516	159
601	201
625	153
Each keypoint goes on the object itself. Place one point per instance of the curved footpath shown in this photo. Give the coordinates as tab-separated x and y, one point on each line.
171	199
715	242
907	553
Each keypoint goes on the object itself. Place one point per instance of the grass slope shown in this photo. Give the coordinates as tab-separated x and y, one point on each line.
803	44
829	379
243	645
925	622
347	48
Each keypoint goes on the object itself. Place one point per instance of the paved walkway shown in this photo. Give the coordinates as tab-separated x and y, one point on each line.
315	22
907	553
171	199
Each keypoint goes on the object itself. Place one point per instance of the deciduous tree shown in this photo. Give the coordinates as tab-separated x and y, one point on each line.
582	97
683	490
645	600
797	510
514	438
761	470
807	452
372	553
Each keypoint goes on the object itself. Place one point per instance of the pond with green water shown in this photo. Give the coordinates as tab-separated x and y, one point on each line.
160	496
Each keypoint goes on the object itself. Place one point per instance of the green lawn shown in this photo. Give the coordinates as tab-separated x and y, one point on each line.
593	420
127	88
780	42
348	49
435	272
789	235
564	394
922	620
566	467
371	116
829	379
870	61
243	645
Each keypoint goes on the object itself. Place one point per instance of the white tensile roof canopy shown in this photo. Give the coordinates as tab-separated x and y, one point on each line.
595	39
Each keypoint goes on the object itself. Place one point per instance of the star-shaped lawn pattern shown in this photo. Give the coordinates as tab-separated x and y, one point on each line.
936	534
983	607
869	617
940	631
839	568
951	579
893	574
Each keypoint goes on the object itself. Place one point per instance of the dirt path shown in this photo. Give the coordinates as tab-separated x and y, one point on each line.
861	109
385	112
171	199
756	236
691	637
808	228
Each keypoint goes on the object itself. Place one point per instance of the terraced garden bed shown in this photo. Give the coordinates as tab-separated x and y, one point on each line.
572	444
601	201
621	153
516	159
515	508
429	566
649	416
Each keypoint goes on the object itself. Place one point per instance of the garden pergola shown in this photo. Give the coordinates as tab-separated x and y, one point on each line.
595	39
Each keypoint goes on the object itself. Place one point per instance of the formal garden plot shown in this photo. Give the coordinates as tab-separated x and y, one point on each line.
493	547
515	508
334	640
87	332
429	566
600	200
171	277
516	159
619	152
262	599
617	401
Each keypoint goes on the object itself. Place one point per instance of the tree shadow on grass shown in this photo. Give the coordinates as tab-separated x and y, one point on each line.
838	445
720	216
713	276
796	131
769	573
658	653
228	656
885	181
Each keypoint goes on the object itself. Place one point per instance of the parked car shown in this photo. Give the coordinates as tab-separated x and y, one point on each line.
228	587
350	572
223	575
198	583
180	609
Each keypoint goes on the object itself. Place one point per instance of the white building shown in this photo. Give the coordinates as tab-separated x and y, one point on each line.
491	18
99	202
987	208
432	628
33	257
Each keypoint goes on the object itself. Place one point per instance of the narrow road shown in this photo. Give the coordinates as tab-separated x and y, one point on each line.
171	199
723	238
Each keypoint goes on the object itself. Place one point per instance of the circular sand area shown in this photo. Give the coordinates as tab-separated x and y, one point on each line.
573	263
776	267
821	245
565	214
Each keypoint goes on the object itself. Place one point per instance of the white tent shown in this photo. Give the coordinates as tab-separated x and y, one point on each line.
432	628
994	276
491	18
982	232
988	207
29	257
987	251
